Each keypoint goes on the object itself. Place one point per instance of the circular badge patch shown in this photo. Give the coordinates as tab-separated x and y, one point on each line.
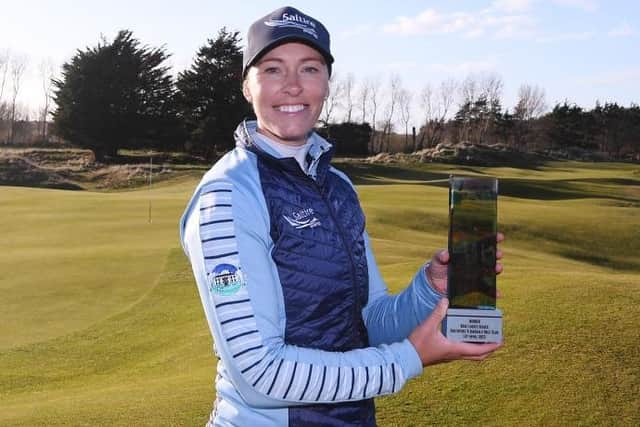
225	279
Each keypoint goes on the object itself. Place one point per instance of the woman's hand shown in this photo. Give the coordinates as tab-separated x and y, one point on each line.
433	347
437	268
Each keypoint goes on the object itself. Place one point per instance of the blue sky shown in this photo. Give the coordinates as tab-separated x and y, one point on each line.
578	50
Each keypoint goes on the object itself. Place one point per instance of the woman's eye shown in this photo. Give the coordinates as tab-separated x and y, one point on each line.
271	70
310	69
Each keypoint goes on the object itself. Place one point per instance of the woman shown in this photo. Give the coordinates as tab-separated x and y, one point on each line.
304	328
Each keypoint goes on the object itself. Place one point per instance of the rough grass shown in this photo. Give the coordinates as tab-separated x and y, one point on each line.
76	169
101	323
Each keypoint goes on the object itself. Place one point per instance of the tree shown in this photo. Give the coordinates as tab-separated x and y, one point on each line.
332	101
615	128
491	87
468	96
46	73
530	105
404	100
5	58
632	141
567	127
435	106
209	95
480	108
395	88
116	95
505	127
374	90
353	138
531	102
362	98
348	85
18	66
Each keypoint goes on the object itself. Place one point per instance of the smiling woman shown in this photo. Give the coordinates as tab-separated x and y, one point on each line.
286	88
304	327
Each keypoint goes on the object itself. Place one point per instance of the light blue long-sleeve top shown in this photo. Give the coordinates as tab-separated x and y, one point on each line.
227	223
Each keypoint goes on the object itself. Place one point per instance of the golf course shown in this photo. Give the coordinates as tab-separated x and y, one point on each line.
101	323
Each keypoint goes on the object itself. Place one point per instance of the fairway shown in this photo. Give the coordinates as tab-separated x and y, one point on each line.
101	323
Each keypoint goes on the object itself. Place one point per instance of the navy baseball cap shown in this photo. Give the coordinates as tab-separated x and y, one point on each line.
285	25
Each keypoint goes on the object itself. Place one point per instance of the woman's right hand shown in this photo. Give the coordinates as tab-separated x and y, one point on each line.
434	348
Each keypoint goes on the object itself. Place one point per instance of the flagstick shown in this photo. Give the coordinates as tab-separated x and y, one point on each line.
150	177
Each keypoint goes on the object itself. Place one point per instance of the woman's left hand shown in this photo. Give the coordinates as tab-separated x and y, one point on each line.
437	268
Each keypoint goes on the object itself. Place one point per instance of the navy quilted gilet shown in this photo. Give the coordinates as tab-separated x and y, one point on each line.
317	228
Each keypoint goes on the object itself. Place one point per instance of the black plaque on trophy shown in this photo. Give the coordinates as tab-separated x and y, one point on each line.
471	285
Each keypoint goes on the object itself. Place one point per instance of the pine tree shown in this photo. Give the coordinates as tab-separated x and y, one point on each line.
116	95
210	95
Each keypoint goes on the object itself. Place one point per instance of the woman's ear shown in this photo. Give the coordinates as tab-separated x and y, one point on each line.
245	92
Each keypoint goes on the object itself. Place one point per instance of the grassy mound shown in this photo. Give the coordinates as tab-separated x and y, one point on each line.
102	325
76	169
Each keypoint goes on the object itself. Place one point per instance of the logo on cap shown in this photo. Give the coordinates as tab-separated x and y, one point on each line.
294	21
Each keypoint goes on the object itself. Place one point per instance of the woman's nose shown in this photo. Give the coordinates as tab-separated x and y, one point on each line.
292	84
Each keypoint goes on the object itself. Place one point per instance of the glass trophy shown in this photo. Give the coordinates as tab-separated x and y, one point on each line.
471	285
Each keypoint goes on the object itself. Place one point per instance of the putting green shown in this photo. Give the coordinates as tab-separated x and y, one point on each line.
101	323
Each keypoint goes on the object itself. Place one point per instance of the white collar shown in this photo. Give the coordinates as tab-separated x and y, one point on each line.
314	147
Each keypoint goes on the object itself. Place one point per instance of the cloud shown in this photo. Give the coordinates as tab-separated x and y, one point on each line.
622	30
466	24
587	5
430	22
562	37
356	31
512	5
511	26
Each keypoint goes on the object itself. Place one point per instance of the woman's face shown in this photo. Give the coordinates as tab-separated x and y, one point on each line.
286	88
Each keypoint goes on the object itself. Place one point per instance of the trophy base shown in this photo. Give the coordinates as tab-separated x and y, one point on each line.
473	325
